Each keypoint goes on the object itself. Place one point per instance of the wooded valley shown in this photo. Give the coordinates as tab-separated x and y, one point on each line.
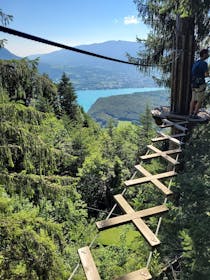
59	171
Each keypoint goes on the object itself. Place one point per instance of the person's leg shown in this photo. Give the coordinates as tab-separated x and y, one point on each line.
192	105
197	107
192	102
200	98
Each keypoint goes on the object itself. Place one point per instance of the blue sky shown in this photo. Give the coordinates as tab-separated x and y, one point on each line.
71	22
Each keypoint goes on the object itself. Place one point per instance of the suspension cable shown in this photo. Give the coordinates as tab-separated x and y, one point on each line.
59	45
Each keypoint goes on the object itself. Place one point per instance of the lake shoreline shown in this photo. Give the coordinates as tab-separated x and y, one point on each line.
86	98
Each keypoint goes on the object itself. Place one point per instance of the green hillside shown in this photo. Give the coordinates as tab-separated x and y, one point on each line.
127	107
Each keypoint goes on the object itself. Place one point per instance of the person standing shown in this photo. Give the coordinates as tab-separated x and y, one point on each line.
199	72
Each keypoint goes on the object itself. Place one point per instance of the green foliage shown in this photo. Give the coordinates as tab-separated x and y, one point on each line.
19	78
67	97
188	219
161	17
4	19
52	166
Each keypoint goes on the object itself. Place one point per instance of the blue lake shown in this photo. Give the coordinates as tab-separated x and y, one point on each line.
86	98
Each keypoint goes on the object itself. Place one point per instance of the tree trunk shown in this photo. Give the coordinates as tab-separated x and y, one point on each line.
182	62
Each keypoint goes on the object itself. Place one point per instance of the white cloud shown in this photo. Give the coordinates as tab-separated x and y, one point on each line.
131	20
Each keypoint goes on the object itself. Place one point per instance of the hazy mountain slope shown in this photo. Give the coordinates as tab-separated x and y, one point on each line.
115	49
5	54
87	72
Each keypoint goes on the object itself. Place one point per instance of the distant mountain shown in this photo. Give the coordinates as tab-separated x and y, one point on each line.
127	107
88	72
7	55
115	49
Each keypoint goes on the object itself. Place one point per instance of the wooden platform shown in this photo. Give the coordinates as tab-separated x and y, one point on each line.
164	113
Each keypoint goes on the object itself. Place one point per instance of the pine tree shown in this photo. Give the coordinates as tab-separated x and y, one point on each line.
67	96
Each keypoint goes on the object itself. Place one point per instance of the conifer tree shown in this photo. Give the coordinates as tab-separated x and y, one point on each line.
161	17
67	96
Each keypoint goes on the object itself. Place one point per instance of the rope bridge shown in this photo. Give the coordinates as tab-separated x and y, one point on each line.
137	217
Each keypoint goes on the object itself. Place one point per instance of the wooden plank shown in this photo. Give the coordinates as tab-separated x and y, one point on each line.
180	127
170	138
139	223
141	274
163	154
154	155
131	216
88	264
157	139
164	137
172	124
155	181
123	203
147	179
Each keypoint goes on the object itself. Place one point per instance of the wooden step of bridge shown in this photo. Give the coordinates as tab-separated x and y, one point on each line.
151	178
163	154
154	155
88	264
174	124
173	139
121	219
141	274
138	222
91	271
165	125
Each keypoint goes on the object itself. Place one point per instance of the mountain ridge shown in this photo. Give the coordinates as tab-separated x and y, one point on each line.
88	72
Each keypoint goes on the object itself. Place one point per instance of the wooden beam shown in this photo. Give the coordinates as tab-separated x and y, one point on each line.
164	137
88	264
153	179
131	216
169	152
139	223
174	124
147	179
163	155
142	274
164	125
